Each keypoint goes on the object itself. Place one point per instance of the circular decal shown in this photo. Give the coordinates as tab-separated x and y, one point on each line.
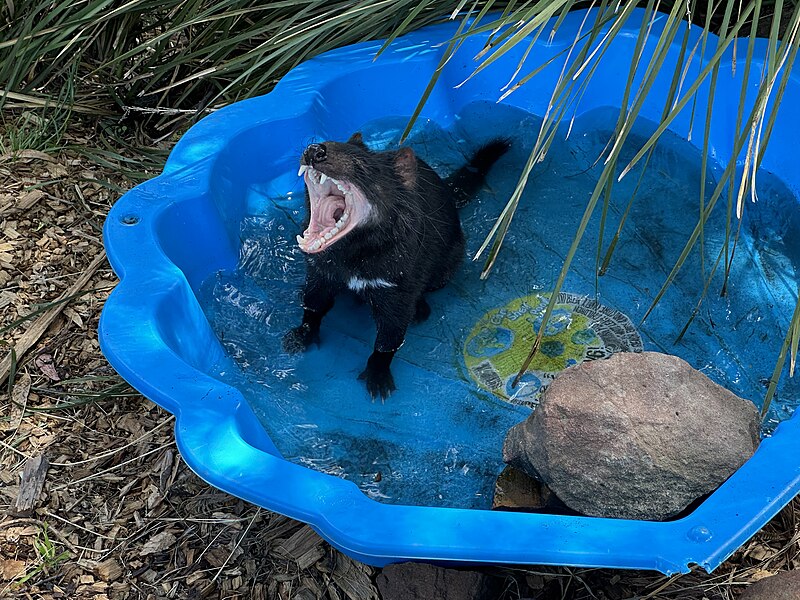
579	329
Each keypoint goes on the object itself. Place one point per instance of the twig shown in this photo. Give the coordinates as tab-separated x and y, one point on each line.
663	586
236	545
115	450
29	100
10	447
32	335
104	471
166	111
76	526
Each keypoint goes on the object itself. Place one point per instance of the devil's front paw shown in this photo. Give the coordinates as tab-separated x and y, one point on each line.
299	339
379	380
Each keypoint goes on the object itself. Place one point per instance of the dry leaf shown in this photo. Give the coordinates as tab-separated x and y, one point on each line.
34	154
759	574
158	543
47	367
11	569
58	170
74	317
13	534
760	552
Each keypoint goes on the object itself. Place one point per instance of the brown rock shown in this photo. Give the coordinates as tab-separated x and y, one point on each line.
783	586
516	490
639	436
420	581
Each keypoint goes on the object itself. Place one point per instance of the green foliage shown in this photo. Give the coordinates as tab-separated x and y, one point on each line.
170	57
40	129
48	558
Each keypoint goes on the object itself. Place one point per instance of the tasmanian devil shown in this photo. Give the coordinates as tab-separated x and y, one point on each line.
384	225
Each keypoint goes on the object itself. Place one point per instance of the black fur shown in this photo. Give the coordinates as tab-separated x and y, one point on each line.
412	240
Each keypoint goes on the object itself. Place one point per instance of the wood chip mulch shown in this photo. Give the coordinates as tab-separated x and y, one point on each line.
95	501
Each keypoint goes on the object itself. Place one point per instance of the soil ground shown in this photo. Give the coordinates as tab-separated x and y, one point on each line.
119	514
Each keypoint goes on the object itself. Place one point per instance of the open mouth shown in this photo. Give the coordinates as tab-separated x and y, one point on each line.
336	207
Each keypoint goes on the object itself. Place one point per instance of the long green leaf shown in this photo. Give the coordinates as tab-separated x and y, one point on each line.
738	146
670	30
724	43
452	46
558	101
776	373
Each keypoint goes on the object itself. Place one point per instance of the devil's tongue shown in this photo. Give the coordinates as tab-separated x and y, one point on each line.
323	214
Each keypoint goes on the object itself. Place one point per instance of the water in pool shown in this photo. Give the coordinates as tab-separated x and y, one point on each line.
437	440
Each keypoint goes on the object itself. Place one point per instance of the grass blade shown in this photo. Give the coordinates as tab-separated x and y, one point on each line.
776	373
452	46
724	43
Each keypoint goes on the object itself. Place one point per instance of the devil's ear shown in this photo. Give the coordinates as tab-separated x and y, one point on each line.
357	140
405	165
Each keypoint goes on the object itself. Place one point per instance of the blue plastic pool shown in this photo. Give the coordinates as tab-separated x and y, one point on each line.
209	281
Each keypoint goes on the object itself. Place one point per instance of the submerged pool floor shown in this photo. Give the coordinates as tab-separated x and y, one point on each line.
437	440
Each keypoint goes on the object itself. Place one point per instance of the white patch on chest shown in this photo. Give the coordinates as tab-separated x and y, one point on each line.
357	284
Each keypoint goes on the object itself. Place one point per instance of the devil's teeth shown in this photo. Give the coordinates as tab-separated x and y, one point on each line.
334	231
299	239
328	235
303	169
323	178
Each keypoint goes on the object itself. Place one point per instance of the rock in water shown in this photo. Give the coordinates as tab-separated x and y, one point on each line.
516	490
636	436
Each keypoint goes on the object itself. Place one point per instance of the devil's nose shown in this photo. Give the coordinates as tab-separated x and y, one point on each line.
315	153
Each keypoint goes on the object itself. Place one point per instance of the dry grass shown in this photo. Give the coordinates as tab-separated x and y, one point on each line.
119	514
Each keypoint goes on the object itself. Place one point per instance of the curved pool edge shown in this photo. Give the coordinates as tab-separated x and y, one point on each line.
211	442
213	448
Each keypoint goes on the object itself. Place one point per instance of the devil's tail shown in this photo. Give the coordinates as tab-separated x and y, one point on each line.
466	182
